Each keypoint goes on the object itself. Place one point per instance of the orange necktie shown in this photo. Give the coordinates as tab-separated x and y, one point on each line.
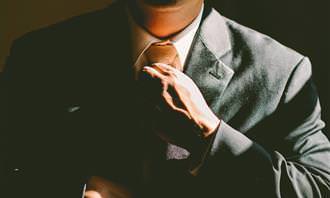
163	52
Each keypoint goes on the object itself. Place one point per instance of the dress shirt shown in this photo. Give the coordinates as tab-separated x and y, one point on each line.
142	39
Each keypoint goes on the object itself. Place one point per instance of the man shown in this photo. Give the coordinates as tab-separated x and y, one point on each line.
151	98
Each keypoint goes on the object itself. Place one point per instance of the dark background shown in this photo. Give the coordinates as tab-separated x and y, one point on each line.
299	24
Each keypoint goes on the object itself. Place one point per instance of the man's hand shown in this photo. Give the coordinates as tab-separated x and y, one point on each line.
98	187
182	106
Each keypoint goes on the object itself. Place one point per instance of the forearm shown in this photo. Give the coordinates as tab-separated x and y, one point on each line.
246	166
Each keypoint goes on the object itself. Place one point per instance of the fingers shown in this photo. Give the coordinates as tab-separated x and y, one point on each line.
167	70
169	100
164	72
153	72
164	69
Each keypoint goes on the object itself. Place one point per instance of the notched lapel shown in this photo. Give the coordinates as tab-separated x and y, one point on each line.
204	64
210	74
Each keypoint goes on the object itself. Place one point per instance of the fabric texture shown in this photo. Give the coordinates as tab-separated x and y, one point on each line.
69	96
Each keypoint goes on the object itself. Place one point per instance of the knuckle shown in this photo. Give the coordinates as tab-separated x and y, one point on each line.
173	74
164	93
164	83
169	80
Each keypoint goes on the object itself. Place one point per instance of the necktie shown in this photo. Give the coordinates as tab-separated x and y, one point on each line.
165	52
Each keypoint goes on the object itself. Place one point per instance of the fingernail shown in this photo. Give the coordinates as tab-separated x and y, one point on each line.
159	64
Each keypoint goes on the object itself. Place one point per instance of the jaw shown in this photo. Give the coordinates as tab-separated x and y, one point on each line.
160	2
165	5
163	18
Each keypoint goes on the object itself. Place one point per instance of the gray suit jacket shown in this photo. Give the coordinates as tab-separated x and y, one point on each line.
70	95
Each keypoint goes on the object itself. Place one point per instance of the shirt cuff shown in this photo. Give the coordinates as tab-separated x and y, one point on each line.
197	159
226	140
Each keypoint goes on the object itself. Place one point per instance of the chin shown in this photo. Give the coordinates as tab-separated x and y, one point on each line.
161	2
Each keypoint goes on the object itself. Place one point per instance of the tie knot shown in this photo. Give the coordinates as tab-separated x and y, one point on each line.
163	52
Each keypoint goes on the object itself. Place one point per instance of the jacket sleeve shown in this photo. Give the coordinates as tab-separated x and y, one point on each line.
290	156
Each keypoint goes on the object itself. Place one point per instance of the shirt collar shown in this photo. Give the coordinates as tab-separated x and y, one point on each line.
141	39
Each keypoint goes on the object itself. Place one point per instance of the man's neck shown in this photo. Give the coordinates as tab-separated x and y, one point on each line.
163	22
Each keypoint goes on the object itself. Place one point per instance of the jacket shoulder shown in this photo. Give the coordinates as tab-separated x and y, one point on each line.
260	48
266	59
65	41
266	67
71	32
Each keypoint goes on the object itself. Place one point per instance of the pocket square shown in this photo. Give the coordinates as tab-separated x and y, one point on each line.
73	109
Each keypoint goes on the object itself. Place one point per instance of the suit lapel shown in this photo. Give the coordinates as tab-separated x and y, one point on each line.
204	63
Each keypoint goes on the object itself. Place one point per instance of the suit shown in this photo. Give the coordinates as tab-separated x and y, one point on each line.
72	107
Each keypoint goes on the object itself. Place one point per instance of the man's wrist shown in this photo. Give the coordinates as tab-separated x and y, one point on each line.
200	152
210	127
205	136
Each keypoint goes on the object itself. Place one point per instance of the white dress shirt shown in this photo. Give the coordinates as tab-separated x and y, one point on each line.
141	40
